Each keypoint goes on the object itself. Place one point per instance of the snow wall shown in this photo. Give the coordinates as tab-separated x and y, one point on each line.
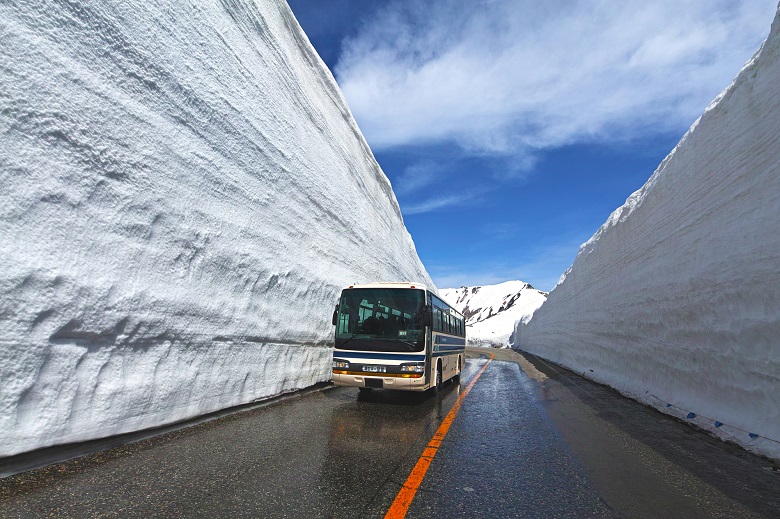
184	193
675	301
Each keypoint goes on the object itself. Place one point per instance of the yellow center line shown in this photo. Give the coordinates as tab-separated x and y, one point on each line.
405	496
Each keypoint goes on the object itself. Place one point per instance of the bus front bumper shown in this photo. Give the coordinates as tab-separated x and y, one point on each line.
408	384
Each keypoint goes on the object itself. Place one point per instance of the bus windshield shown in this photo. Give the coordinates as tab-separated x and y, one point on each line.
381	319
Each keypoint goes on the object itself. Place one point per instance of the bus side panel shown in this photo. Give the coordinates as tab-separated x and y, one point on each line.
429	368
449	349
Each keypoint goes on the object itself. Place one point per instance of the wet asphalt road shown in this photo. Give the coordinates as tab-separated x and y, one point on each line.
530	440
503	458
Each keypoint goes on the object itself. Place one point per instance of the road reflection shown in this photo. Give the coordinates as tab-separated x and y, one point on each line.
371	437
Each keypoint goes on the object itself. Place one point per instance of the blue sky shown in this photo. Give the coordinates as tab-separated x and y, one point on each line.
511	129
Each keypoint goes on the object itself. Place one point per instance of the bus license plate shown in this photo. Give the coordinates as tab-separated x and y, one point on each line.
374	369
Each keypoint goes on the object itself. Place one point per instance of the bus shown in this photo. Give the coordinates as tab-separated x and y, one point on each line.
396	336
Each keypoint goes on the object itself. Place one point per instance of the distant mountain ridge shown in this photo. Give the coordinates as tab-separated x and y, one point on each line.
492	310
480	313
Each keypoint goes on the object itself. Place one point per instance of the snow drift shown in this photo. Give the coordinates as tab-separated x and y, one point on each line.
491	311
184	193
676	299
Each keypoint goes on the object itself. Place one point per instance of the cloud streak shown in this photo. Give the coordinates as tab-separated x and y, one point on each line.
435	204
512	77
418	177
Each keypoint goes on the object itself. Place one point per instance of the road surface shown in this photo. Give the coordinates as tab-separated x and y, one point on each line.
528	440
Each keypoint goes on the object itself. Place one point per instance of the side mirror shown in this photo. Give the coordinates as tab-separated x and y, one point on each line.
336	315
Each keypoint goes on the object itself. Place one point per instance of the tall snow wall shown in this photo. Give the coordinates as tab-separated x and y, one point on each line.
184	193
675	301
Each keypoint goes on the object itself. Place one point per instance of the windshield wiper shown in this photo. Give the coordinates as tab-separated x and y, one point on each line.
354	335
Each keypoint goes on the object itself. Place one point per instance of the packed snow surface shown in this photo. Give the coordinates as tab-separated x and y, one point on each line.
676	299
184	194
491	311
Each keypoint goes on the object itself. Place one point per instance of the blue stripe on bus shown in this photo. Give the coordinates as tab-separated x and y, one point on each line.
440	347
443	339
371	355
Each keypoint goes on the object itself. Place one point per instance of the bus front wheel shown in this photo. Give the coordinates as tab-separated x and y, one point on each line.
437	387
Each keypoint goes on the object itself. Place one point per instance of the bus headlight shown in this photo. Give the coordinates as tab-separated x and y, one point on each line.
340	364
412	368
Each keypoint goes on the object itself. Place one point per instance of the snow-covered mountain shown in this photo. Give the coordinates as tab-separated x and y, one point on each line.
492	310
185	192
676	299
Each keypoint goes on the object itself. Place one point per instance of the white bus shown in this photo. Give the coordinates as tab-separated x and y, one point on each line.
396	336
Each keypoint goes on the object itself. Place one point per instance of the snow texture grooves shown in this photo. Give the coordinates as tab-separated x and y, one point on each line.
677	295
184	194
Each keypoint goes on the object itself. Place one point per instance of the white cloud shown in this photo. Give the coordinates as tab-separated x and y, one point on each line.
418	176
510	76
436	203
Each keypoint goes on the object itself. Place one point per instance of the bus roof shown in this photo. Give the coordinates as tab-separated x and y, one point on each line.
390	284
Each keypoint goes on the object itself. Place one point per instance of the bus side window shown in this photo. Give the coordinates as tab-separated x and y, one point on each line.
343	323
